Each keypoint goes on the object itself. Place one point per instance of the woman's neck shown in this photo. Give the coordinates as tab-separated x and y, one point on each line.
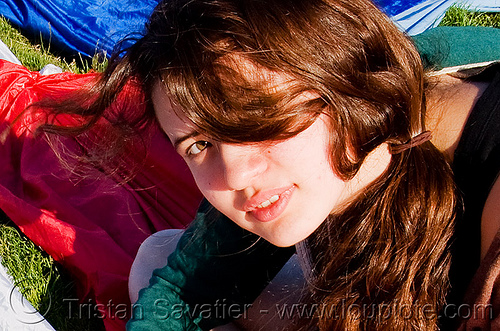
449	103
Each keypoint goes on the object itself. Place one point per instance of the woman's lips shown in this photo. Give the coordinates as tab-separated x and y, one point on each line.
269	205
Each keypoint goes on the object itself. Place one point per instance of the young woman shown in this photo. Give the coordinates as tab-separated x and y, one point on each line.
311	124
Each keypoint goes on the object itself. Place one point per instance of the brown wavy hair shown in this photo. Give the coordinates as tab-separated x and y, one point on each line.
382	262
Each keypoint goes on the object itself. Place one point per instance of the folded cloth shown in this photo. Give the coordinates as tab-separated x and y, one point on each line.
90	224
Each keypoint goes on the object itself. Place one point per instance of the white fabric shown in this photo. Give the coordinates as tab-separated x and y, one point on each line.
6	54
16	313
429	14
481	5
422	17
51	69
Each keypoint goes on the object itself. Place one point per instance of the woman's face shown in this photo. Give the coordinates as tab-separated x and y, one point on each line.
279	190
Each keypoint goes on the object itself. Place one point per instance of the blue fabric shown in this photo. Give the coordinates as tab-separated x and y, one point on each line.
394	7
87	26
79	26
422	17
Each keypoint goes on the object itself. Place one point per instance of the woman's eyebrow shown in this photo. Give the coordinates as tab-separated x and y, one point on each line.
183	138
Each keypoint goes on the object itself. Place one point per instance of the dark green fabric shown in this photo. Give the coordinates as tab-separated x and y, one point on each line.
218	265
447	46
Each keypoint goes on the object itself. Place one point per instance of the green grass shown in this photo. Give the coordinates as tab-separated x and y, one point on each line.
41	280
462	16
37	274
35	55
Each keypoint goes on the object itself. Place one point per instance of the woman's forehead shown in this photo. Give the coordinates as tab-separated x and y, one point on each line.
169	115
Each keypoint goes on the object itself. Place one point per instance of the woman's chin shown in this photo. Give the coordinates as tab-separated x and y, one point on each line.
284	240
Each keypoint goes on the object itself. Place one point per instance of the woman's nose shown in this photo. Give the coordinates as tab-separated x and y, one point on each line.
241	164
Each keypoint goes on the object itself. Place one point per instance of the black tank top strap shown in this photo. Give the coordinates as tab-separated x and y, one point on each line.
476	166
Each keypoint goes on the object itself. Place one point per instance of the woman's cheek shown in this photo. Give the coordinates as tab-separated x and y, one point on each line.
200	176
207	185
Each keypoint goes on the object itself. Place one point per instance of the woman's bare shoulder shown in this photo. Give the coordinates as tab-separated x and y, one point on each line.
450	100
449	103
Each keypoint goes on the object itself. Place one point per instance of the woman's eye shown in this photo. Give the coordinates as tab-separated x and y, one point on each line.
197	147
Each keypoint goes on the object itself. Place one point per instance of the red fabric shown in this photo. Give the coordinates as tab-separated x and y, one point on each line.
89	224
